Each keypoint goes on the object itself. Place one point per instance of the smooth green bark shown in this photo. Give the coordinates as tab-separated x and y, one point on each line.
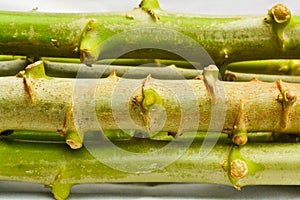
12	67
271	67
148	32
242	77
69	70
66	68
57	166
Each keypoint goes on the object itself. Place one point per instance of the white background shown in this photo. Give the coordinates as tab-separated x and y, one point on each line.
10	190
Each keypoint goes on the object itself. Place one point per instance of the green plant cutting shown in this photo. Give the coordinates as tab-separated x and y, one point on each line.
65	76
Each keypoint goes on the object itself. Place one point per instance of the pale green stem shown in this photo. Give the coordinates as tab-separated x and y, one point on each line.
273	67
237	76
124	62
69	70
12	67
37	102
57	166
151	62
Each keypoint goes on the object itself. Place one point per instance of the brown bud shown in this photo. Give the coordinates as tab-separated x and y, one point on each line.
240	139
238	168
281	13
290	96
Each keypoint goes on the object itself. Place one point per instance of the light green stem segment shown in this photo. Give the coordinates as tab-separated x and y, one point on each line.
243	77
57	166
71	107
148	32
118	61
12	67
69	70
273	67
77	70
129	68
149	62
65	68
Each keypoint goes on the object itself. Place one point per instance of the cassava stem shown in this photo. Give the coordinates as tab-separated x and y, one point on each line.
12	67
151	33
118	61
238	76
57	166
64	69
71	107
70	70
272	67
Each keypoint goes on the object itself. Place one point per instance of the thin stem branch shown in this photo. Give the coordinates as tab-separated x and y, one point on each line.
69	70
237	76
272	67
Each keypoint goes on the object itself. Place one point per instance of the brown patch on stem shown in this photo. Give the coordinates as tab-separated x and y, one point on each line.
255	80
55	43
28	89
86	57
199	77
73	143
113	77
153	15
229	76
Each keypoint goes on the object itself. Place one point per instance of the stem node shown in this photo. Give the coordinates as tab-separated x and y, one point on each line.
149	103
210	75
287	98
238	168
32	72
239	133
113	76
73	137
279	17
280	13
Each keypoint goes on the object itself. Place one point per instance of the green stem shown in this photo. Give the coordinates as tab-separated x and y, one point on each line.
124	62
273	67
115	135
151	62
149	32
12	67
237	76
69	70
10	57
56	166
37	102
61	60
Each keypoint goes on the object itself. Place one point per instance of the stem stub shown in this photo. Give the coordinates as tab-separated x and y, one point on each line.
238	168
281	13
